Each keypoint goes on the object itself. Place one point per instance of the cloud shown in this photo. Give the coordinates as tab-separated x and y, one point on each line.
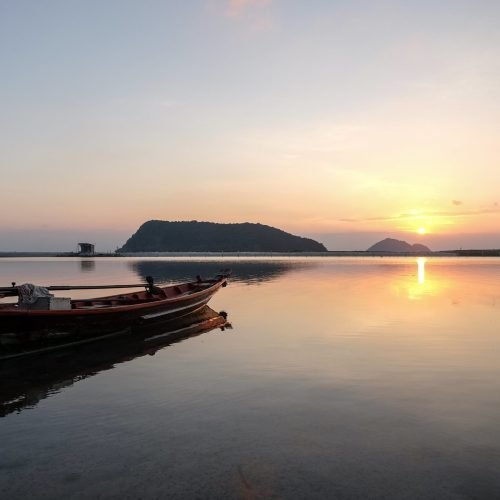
235	8
457	202
436	213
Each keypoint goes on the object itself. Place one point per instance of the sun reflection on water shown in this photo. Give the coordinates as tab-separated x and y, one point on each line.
421	270
423	284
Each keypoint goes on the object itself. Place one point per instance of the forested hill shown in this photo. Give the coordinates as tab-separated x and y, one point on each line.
390	245
193	236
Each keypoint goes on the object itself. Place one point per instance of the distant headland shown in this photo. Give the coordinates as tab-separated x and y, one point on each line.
390	245
194	236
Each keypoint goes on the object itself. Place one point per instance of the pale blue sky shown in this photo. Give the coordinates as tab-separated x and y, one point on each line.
321	117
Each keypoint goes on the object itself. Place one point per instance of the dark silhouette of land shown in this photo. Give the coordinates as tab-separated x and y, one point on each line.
194	236
478	253
390	245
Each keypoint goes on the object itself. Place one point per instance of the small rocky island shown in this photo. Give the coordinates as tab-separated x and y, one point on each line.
390	245
194	236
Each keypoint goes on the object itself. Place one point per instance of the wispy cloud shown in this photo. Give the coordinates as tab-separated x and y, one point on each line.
457	202
427	214
235	8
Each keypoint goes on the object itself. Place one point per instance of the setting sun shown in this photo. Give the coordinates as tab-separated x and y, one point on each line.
422	230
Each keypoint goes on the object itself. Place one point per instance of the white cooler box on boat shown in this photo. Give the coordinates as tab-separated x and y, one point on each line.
50	304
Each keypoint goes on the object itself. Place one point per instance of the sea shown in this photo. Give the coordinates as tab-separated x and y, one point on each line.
341	378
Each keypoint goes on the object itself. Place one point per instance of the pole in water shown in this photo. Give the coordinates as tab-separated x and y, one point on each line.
13	289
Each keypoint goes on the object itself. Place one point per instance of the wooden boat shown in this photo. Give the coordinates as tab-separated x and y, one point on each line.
90	317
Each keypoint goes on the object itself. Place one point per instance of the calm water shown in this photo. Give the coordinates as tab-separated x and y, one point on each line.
341	378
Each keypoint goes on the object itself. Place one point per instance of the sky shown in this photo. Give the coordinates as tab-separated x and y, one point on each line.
347	121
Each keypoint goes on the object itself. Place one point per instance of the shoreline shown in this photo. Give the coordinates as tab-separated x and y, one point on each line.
332	253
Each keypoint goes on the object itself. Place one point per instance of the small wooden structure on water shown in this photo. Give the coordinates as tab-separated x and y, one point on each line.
86	249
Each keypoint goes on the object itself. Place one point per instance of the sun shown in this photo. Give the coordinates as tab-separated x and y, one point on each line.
422	230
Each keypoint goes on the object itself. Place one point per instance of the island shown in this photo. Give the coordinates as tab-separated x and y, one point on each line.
194	236
390	245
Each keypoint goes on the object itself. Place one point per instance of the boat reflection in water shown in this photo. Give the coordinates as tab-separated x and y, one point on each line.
27	380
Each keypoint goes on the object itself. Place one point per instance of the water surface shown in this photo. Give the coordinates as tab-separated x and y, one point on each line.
341	378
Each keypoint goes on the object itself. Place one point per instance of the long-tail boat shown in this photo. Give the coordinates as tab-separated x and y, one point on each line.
49	320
